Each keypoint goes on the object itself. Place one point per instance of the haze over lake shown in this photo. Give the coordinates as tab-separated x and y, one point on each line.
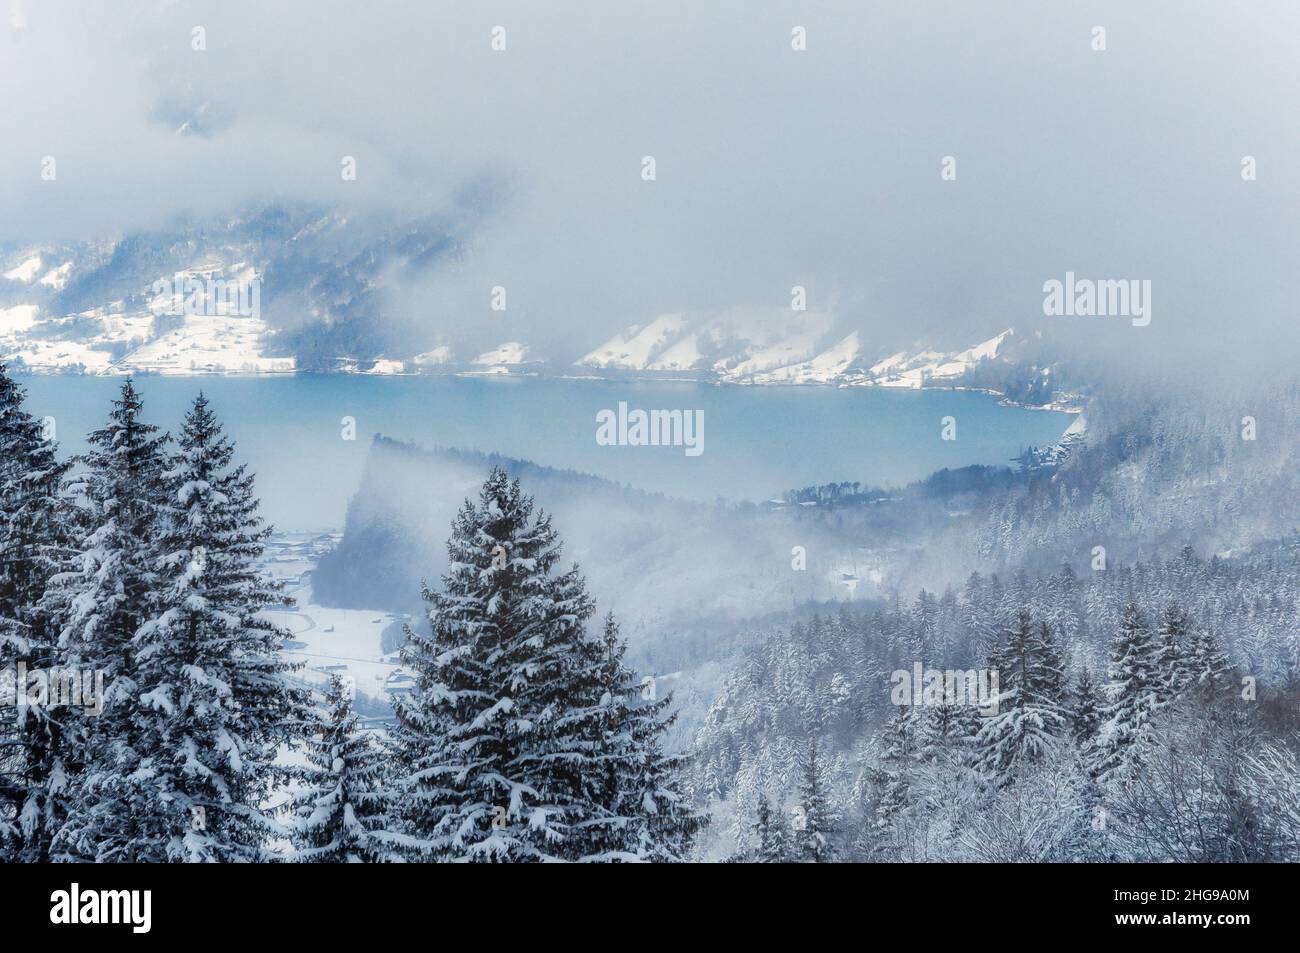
758	441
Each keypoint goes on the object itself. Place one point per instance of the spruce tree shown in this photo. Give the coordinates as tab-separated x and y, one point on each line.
1050	684
648	815
1031	720
1171	660
497	741
772	834
817	818
897	761
341	815
1209	672
1135	691
214	702
36	523
1085	717
101	607
33	515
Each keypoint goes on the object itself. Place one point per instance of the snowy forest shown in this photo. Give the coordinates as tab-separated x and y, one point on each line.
527	737
1142	698
1129	728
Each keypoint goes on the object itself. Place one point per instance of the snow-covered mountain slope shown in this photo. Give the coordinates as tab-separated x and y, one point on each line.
433	358
207	344
57	278
734	346
24	271
928	367
681	356
324	278
505	355
17	320
828	366
776	347
132	343
1074	435
776	342
142	332
636	347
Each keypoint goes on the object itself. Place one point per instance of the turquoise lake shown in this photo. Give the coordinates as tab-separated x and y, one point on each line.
758	441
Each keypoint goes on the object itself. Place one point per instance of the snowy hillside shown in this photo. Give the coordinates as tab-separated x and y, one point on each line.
312	285
138	335
322	280
829	366
511	352
635	347
929	367
774	348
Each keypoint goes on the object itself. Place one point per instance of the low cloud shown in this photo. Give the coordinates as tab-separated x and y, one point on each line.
775	167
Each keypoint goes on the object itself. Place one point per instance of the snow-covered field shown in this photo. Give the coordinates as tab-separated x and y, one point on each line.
326	641
343	642
130	336
208	344
88	342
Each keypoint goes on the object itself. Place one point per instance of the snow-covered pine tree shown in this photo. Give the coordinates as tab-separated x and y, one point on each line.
813	836
1050	684
953	725
341	815
1134	688
639	786
495	741
1031	720
897	762
1171	659
214	702
771	831
1209	672
101	606
35	529
1085	717
34	516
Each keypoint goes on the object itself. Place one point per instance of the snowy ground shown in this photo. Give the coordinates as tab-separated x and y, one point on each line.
326	641
202	344
329	641
208	344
